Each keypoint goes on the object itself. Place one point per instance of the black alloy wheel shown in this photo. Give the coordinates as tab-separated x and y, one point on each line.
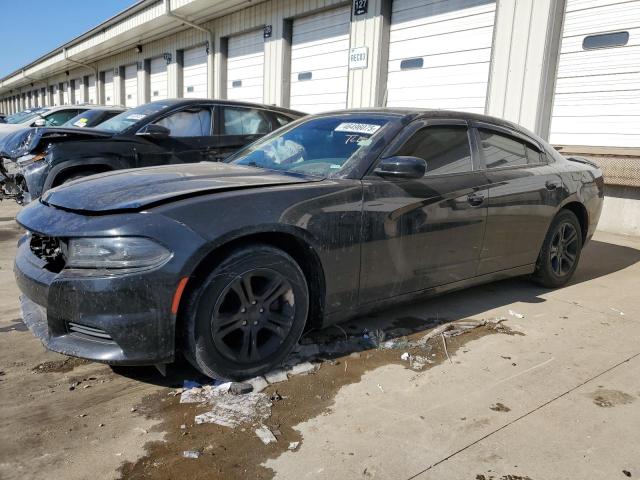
253	316
246	316
560	253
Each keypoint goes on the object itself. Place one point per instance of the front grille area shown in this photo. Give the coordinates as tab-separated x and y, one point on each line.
49	250
89	333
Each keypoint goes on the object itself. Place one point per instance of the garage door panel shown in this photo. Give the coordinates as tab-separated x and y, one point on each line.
331	62
326	48
453	42
109	98
77	91
245	67
158	79
602	19
413	29
91	90
597	94
195	73
319	61
443	75
598	83
445	49
319	85
131	86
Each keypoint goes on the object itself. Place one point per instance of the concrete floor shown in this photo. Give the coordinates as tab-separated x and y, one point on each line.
560	400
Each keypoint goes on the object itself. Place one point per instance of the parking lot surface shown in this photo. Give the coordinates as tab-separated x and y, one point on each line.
547	389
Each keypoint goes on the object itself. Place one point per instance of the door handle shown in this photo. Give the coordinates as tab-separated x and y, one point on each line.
475	199
551	185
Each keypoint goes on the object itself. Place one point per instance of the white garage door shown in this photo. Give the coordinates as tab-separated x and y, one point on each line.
91	90
77	91
245	67
319	61
109	94
158	79
597	96
440	54
131	86
56	95
194	73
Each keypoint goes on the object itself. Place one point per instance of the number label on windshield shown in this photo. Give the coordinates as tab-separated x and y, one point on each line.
365	128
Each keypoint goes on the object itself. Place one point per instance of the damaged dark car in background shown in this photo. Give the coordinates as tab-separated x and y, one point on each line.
329	217
158	133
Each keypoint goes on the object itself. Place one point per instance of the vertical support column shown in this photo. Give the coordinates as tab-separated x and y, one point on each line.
118	86
100	88
522	77
179	62
220	68
367	86
141	75
146	80
70	91
277	61
210	66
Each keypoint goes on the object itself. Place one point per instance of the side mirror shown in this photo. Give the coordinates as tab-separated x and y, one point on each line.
154	131
401	167
41	122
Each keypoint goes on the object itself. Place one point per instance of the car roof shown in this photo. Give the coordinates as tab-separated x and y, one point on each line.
175	102
416	113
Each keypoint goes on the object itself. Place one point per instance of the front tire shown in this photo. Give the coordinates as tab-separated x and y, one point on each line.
560	251
247	315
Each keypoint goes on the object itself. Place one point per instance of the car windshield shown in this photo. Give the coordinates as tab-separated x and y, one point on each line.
319	146
121	122
85	119
24	116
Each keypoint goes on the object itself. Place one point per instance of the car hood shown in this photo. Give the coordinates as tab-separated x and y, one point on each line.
135	189
7	128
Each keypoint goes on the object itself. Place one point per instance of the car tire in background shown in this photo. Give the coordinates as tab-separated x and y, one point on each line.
246	316
560	251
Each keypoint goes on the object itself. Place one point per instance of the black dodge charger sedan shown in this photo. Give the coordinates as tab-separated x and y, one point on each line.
157	133
328	217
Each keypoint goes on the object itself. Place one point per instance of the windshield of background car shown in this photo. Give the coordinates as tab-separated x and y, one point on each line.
24	116
85	119
121	122
319	146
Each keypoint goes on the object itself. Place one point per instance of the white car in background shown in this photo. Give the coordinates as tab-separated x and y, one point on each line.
41	117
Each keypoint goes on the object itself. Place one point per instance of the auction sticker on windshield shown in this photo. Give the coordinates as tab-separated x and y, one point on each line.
366	128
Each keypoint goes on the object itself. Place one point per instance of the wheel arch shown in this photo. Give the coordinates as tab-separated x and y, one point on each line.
581	212
294	244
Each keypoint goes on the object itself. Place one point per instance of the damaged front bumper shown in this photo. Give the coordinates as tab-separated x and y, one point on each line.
115	318
18	179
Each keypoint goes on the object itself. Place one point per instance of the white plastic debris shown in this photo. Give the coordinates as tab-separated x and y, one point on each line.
259	384
380	387
191	454
515	314
619	312
293	445
276	376
266	435
234	410
405	356
303	368
204	394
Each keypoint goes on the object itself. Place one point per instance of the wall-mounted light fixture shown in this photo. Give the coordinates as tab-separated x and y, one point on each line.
167	57
138	48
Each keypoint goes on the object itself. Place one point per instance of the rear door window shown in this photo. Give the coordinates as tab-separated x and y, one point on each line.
244	121
501	151
188	123
445	149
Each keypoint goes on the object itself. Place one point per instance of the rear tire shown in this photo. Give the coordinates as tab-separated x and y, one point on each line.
560	253
247	315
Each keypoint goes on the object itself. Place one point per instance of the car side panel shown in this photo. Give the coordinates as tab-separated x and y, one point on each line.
326	215
522	203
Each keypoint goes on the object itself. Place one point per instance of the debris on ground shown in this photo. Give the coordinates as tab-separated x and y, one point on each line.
234	410
499	407
303	368
238	388
516	314
619	312
191	454
406	356
266	435
293	445
258	383
276	376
